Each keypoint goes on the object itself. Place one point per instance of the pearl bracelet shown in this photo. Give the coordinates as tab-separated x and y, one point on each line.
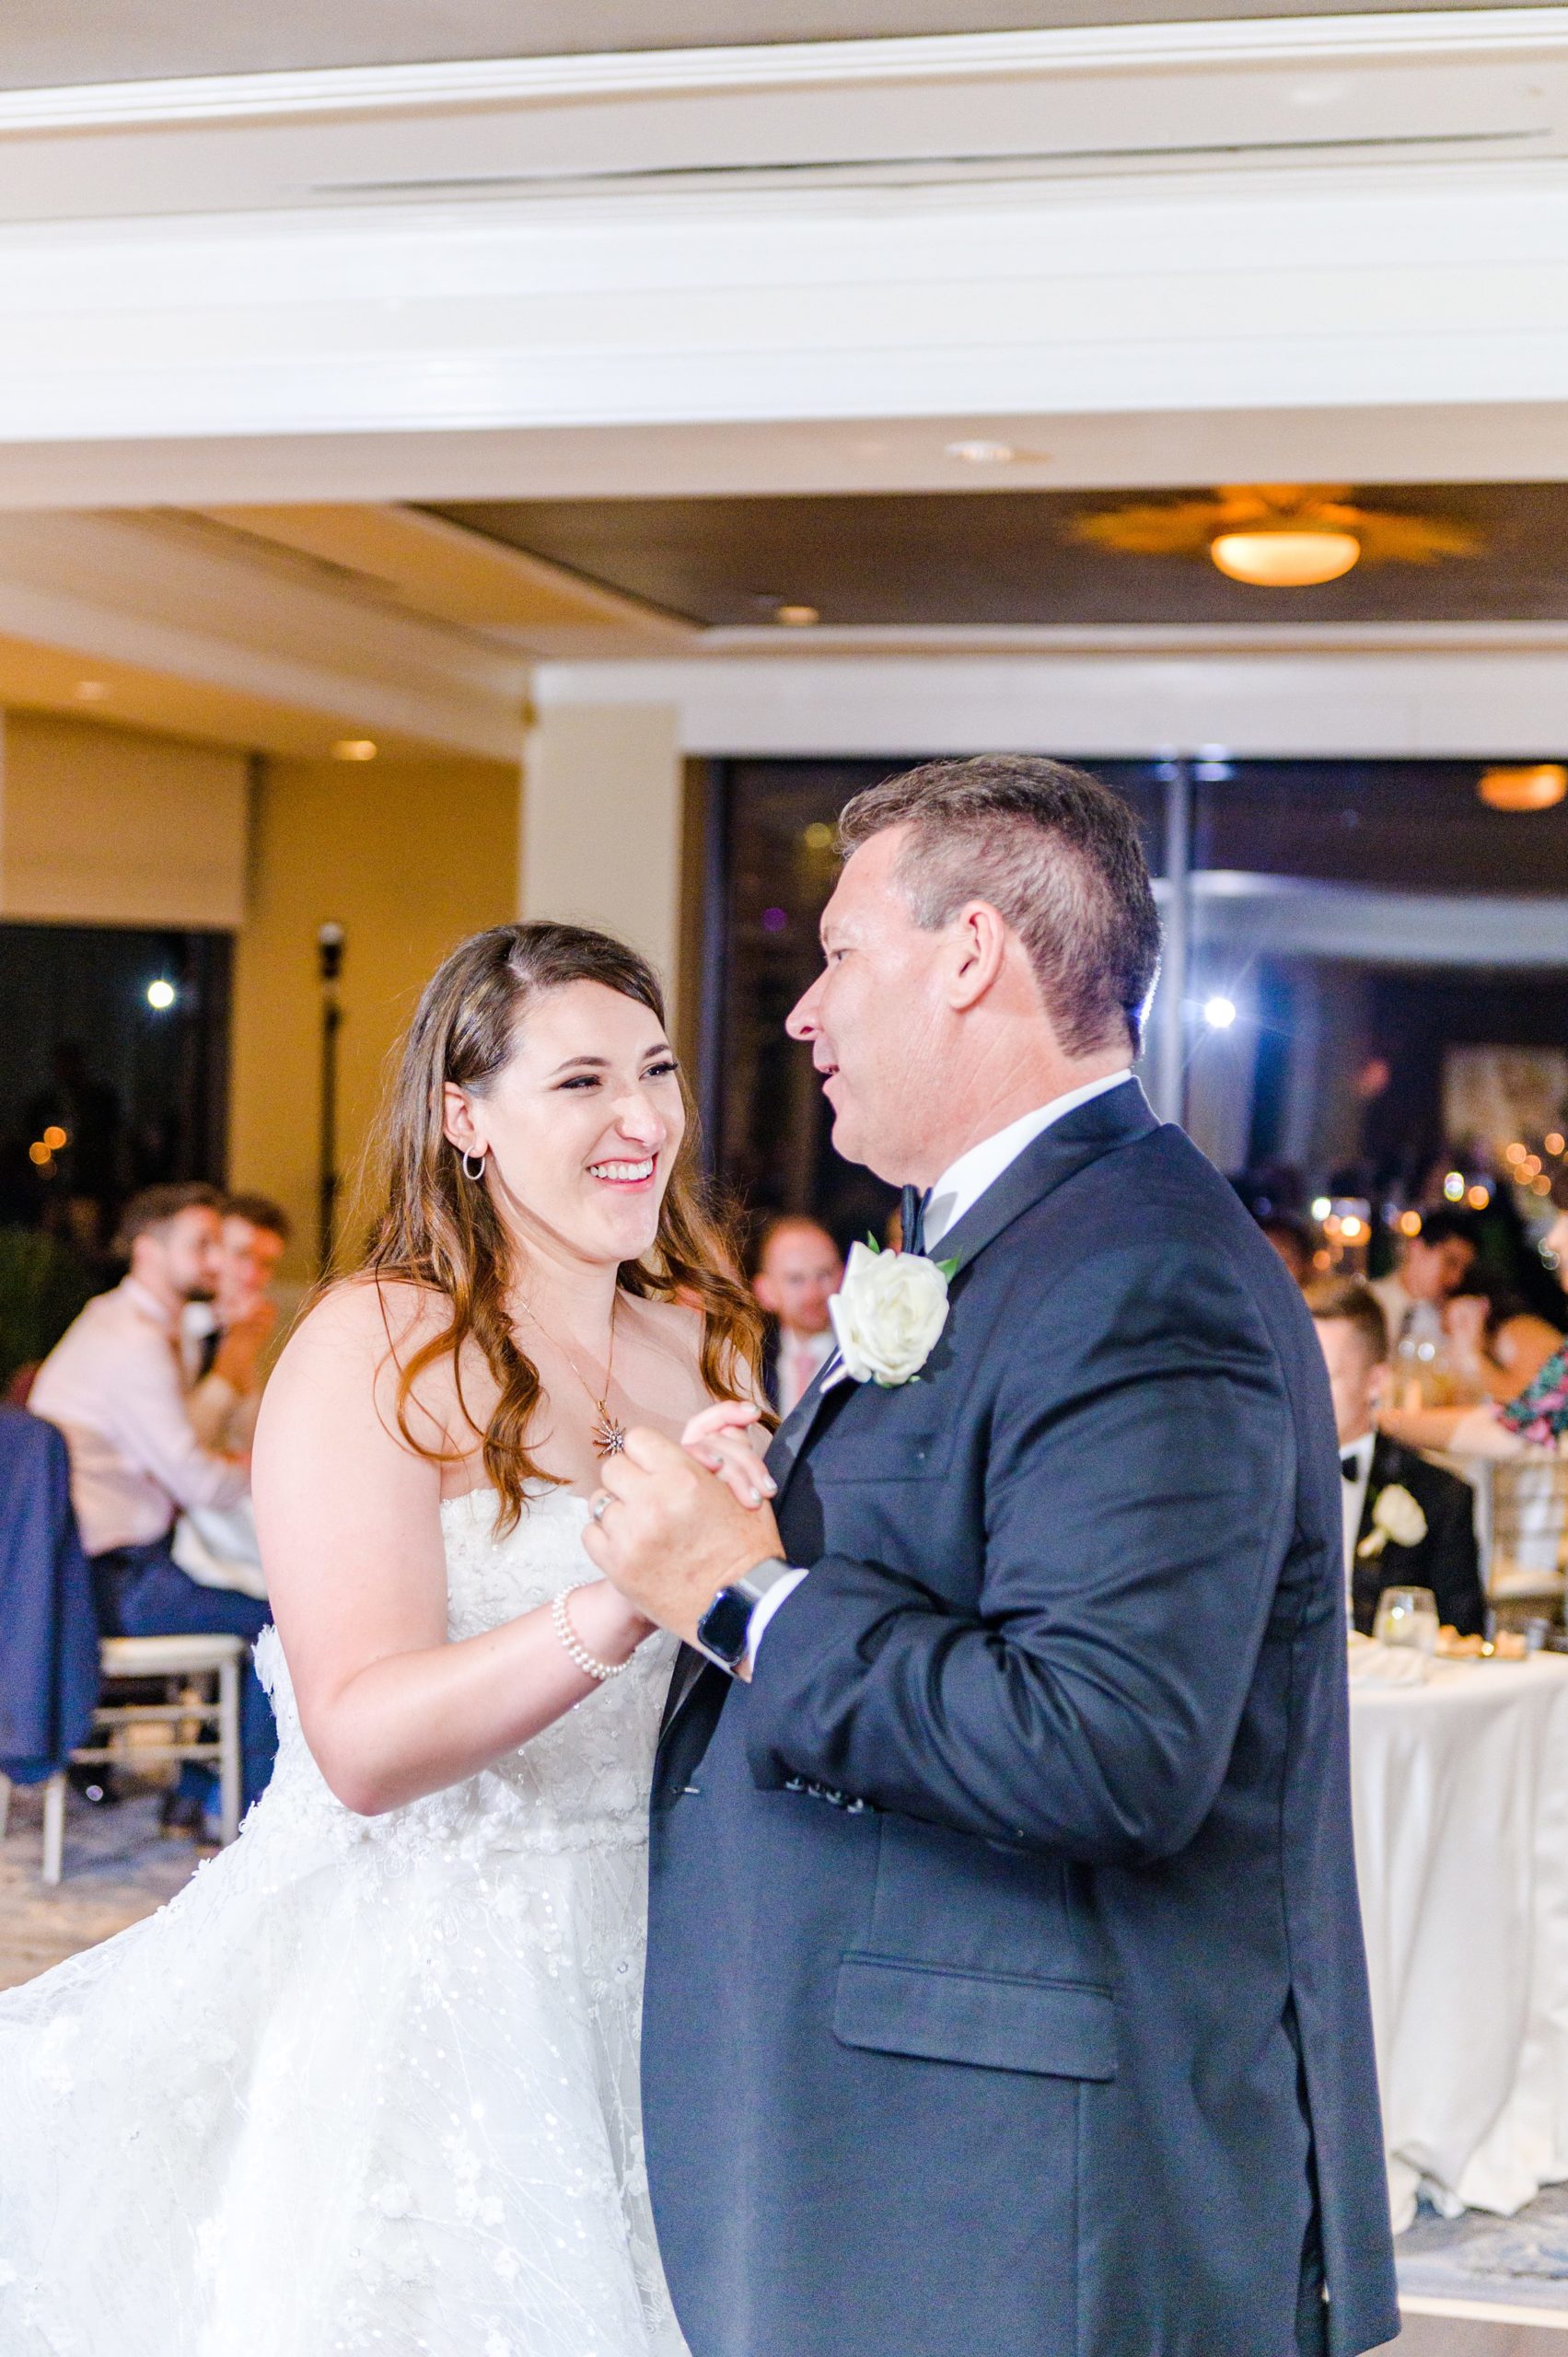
572	1646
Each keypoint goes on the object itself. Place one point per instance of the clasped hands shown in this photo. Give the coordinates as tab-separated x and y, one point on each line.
672	1523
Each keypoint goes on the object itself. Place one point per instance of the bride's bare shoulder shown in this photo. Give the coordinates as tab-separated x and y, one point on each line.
366	1320
343	1370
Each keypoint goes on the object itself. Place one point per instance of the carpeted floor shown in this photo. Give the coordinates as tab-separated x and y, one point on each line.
119	1867
1519	2262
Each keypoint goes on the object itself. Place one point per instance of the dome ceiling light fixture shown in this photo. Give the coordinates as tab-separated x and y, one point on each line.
1277	536
1531	785
1287	559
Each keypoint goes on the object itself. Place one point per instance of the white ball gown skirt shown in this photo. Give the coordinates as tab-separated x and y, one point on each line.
367	2085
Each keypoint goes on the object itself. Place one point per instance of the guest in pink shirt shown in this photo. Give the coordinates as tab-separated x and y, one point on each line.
115	1386
798	1271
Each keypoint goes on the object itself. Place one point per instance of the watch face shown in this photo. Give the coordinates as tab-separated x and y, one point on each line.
723	1626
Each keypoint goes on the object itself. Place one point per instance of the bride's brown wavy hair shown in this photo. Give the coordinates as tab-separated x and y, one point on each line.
440	1230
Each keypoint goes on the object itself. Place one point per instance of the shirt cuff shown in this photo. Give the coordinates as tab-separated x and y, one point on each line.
763	1612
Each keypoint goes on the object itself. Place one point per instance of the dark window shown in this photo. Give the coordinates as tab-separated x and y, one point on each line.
117	1052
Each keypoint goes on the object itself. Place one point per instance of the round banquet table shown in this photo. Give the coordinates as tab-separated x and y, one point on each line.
1460	1791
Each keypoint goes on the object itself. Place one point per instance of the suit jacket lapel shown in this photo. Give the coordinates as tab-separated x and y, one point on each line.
791	1436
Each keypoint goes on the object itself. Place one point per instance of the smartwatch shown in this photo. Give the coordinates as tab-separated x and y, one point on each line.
723	1630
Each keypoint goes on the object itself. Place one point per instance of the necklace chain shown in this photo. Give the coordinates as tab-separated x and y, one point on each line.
609	1432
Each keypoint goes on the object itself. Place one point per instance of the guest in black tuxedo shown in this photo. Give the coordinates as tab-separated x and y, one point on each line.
799	1269
1387	1544
1005	1989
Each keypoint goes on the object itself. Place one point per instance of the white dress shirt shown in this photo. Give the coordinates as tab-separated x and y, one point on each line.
957	1192
1352	1498
114	1386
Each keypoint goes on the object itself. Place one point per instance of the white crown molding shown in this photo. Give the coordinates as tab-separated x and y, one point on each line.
1503	33
1479	703
226	314
1422	291
827	643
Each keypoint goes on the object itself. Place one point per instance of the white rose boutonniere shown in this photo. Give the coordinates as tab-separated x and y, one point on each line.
1395	1516
888	1312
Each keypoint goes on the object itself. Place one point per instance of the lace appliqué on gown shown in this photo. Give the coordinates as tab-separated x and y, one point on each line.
368	2085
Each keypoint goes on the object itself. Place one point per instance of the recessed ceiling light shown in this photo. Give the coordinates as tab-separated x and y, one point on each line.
88	690
1286	557
796	617
1537	785
162	994
982	454
355	748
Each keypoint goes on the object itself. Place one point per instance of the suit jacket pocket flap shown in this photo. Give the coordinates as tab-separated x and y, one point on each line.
1056	2027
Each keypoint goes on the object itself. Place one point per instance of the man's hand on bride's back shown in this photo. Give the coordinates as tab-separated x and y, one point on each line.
723	1438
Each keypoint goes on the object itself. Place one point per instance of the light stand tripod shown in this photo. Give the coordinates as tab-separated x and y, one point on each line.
330	965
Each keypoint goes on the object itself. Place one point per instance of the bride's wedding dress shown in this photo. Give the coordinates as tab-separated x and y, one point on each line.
367	2085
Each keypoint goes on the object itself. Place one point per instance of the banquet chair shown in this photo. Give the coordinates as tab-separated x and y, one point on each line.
197	1718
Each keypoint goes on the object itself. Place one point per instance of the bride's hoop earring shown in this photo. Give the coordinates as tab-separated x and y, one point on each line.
477	1172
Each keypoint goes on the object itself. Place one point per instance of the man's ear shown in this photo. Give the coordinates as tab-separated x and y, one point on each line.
979	949
767	1293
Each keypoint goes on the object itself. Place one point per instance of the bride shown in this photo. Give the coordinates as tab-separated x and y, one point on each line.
371	2082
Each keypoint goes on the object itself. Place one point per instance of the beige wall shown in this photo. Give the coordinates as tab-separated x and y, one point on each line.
408	856
602	824
106	826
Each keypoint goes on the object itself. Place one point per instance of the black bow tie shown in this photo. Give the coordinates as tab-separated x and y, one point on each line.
911	1220
1350	1464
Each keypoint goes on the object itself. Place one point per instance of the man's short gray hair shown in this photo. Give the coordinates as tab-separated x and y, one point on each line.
1056	853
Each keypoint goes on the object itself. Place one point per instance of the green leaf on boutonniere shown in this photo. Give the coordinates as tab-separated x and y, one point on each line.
871	1243
948	1269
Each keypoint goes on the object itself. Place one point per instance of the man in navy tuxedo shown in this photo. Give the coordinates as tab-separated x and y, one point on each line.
1005	1989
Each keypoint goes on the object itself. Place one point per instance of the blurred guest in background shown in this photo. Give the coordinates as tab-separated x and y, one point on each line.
1536	1418
1499	1344
226	1340
114	1385
1432	1269
1407	1524
231	1339
1292	1239
798	1271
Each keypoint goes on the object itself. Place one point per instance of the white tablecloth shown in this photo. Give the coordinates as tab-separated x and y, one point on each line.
1461	1829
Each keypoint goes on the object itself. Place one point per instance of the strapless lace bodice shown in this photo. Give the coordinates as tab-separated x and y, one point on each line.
369	2084
583	1783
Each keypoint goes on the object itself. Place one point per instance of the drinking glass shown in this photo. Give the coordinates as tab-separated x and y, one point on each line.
1408	1617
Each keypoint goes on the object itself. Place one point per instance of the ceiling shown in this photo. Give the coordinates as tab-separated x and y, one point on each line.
104	41
1008	557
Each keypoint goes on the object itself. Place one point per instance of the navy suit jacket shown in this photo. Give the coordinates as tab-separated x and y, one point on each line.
1005	1991
48	1642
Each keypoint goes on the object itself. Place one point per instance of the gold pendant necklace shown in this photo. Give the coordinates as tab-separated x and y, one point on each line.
609	1433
